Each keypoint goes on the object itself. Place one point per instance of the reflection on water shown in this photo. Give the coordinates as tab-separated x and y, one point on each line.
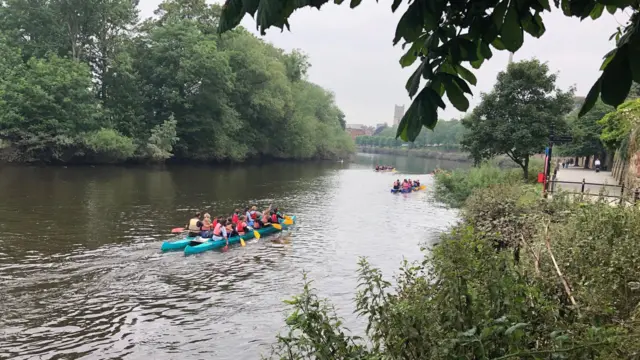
82	275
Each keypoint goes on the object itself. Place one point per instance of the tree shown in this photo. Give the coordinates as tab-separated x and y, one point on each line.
585	132
443	35
617	126
82	81
516	117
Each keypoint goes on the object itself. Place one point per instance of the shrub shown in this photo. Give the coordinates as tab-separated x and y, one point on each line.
108	145
163	137
454	187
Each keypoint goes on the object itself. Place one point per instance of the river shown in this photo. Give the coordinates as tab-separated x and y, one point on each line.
81	274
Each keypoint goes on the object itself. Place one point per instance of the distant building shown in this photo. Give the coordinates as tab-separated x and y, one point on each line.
398	113
356	130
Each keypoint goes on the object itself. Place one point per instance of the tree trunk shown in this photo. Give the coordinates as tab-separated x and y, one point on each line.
608	163
586	161
576	161
525	169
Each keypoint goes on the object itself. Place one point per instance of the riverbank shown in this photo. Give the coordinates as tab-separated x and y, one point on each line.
517	277
421	152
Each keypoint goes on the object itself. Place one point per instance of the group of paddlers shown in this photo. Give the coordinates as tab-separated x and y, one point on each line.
238	224
405	184
384	167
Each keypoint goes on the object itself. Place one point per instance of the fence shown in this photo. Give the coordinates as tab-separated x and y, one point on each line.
602	191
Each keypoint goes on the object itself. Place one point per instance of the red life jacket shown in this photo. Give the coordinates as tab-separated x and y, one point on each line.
254	215
240	227
234	218
274	218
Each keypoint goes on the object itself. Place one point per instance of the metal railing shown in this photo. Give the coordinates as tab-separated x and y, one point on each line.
623	196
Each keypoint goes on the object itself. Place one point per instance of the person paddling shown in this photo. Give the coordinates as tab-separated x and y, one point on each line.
396	184
220	231
194	225
242	226
234	218
207	227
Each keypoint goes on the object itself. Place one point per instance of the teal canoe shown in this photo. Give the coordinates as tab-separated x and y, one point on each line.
176	245
217	244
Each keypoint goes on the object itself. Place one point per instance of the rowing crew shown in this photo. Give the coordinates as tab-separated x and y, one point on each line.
237	225
384	167
406	184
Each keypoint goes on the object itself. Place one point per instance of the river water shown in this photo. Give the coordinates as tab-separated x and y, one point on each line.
81	274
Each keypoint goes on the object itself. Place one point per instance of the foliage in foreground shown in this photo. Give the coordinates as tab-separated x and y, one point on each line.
442	35
454	187
100	86
518	115
518	278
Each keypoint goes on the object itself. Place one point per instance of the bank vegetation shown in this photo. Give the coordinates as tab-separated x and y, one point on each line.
519	277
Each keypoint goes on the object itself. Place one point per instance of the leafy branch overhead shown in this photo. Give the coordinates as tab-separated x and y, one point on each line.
446	37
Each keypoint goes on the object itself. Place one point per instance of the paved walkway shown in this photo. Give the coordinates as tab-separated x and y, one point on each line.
577	174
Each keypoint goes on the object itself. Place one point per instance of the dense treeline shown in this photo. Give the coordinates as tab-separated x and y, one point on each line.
447	133
85	81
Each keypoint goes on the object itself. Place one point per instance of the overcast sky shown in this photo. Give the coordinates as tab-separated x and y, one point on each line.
352	55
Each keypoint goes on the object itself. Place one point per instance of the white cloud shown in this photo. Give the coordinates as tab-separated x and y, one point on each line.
352	54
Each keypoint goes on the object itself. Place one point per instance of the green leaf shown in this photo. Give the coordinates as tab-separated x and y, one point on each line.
412	54
515	327
395	5
611	9
511	32
461	84
484	50
607	59
545	4
466	74
421	112
616	78
355	3
538	20
497	16
597	11
591	99
477	64
410	25
455	95
468	50
414	80
498	44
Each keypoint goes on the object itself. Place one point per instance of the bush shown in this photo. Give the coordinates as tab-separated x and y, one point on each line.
454	187
159	147
108	145
571	293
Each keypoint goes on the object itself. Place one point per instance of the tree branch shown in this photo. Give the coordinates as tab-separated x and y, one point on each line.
567	288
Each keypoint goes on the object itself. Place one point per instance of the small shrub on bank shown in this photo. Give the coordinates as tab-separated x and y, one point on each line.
454	187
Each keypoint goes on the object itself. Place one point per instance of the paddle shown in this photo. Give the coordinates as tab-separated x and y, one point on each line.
422	187
288	221
256	234
277	226
242	242
177	230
